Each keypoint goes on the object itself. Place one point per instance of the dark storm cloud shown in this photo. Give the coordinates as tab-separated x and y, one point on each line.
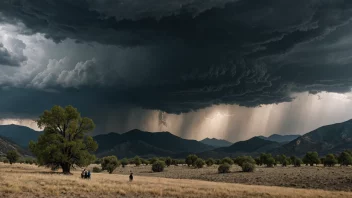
202	53
7	58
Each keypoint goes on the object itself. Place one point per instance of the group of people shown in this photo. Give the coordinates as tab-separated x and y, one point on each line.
85	174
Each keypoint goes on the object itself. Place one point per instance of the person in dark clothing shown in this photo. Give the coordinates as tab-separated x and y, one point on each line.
83	173
88	174
131	176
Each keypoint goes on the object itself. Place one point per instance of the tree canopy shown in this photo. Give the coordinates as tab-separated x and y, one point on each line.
12	156
64	142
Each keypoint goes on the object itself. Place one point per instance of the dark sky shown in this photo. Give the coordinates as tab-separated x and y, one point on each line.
146	61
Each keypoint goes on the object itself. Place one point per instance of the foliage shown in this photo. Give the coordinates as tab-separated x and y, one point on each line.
158	166
199	163
210	162
282	159
217	161
258	161
267	159
311	158
110	163
248	167
297	162
96	170
224	168
345	158
270	162
154	159
144	161
137	161
124	162
330	160
242	159
227	160
168	161
12	156
6	161
97	161
191	160
65	141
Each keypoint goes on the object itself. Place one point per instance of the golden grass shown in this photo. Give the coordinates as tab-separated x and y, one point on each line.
21	180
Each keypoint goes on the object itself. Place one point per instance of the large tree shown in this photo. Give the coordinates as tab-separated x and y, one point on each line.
65	141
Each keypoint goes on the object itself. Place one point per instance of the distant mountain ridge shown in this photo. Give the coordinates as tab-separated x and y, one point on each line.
216	142
20	135
280	138
332	138
253	146
148	144
7	145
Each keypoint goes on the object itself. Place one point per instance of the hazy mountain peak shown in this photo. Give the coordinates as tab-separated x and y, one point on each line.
216	142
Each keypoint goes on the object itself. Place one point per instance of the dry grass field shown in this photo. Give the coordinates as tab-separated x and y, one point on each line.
21	180
327	178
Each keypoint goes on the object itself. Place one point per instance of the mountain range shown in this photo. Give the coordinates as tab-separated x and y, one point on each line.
19	134
146	144
280	138
327	139
216	142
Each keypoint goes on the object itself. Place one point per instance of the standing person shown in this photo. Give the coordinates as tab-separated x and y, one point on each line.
83	173
131	176
88	174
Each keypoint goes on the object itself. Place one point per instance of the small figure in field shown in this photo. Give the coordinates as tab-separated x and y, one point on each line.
131	176
83	173
88	174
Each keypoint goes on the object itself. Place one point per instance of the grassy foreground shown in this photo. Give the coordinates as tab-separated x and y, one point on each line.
21	180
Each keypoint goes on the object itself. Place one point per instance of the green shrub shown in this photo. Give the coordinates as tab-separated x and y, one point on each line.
210	162
248	167
109	163
137	161
152	160
97	161
270	162
12	156
158	166
199	163
242	159
257	161
6	161
168	161
191	160
217	161
144	161
311	158
345	158
330	160
124	162
96	170
227	160
224	168
297	162
285	162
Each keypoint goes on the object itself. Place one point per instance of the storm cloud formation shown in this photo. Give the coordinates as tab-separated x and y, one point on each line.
173	56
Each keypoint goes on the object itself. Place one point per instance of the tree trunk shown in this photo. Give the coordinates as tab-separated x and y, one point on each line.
66	168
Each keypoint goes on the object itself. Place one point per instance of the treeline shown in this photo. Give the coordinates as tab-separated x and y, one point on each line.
13	157
247	163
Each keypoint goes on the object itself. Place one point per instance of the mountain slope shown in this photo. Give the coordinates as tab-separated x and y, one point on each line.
7	145
142	143
19	134
331	138
280	138
253	146
216	142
